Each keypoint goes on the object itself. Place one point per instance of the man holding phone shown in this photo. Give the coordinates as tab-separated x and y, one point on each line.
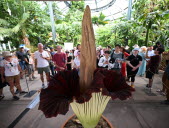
41	63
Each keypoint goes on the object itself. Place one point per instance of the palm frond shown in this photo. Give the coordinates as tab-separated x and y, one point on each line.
16	28
5	31
25	16
3	22
10	31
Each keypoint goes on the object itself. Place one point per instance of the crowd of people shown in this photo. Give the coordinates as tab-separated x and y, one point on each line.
141	61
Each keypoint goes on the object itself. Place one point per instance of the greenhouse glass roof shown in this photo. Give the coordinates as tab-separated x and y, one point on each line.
112	9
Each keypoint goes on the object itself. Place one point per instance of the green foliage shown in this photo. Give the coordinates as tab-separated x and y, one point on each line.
77	5
99	20
26	19
29	19
103	36
69	28
3	22
150	24
68	32
153	18
119	32
38	24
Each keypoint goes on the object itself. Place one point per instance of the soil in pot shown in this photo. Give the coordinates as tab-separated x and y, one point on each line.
75	123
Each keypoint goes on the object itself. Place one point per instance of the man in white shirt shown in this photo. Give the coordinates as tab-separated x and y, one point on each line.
42	64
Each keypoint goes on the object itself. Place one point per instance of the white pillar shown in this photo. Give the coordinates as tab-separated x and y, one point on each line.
129	10
52	22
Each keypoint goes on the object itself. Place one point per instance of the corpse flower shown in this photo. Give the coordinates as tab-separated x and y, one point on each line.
89	93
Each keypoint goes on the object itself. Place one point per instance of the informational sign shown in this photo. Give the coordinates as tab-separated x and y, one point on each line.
68	46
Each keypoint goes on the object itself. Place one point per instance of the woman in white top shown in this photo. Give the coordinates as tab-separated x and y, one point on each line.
104	61
11	70
77	49
77	61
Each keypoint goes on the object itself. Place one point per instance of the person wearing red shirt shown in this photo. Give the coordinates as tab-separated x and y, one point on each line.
59	59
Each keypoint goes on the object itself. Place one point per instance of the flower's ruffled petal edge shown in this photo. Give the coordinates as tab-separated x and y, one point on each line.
115	85
64	88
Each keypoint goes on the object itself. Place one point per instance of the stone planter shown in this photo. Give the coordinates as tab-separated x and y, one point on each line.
104	118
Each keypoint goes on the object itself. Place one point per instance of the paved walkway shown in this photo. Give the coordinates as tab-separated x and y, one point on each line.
142	110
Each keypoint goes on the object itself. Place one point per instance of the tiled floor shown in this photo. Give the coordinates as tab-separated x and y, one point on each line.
142	110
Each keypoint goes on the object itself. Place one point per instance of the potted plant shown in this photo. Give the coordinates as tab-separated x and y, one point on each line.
89	93
74	122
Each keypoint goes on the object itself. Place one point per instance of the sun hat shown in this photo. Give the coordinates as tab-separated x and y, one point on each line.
143	48
27	49
6	53
127	47
136	46
136	49
22	46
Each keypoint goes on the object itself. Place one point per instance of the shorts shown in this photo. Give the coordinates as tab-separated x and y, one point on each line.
30	68
44	69
12	79
149	74
22	65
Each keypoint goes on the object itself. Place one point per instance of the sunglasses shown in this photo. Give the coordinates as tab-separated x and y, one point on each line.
11	64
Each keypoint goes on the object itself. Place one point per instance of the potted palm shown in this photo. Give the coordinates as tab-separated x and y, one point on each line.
89	93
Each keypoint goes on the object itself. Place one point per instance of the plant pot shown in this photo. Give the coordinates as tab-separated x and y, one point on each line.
104	118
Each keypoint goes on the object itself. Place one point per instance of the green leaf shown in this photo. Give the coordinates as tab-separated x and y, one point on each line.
3	22
165	14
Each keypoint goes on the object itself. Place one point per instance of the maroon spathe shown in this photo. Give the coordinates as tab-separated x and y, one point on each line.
64	88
